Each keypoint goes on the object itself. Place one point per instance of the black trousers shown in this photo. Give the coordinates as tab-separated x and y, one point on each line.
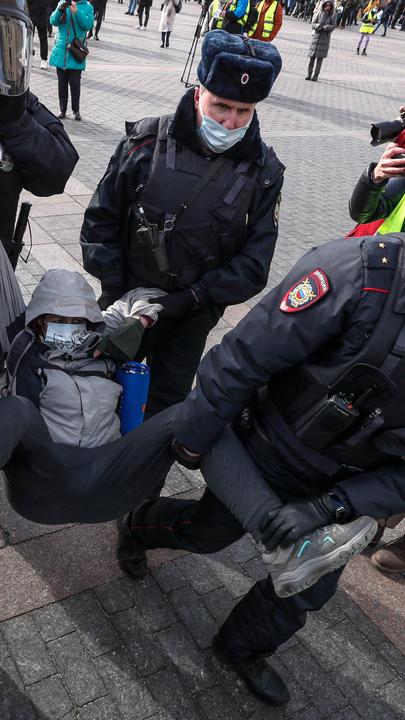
98	17
261	621
318	66
141	8
43	40
69	79
56	484
173	350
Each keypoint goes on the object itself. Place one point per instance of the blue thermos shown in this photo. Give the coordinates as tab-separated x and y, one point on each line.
134	378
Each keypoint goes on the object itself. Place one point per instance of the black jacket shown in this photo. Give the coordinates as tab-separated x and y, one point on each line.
371	201
43	157
222	274
290	349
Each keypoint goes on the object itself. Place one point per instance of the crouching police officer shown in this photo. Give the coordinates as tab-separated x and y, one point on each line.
326	428
35	152
189	203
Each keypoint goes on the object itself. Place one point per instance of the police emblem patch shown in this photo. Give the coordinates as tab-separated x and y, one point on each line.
305	292
244	79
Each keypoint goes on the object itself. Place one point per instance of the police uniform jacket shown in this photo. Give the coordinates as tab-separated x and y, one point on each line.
222	243
43	160
297	344
372	201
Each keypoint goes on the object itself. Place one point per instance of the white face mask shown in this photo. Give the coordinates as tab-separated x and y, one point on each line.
65	336
218	138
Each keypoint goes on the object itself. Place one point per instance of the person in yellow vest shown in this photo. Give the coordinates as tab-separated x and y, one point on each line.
234	16
367	29
380	194
269	20
213	19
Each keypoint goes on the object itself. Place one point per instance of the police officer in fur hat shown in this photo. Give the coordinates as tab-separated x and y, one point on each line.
189	203
35	152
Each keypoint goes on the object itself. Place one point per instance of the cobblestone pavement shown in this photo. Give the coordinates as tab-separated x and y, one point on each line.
77	640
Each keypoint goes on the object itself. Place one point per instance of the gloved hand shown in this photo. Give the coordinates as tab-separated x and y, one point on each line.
12	107
185	457
176	304
109	296
285	525
123	344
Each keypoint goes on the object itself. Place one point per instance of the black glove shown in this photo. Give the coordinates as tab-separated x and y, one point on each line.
176	304
12	107
109	296
179	453
285	525
123	344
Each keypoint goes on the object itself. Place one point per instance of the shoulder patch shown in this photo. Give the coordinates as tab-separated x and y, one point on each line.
305	292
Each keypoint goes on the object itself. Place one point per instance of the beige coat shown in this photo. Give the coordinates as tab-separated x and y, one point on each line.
168	15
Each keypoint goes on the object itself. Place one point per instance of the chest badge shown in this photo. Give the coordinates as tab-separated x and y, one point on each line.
305	292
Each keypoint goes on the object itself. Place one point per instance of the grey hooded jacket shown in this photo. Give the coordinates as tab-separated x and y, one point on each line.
75	392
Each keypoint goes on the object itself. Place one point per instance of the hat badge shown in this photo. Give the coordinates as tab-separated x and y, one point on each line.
244	79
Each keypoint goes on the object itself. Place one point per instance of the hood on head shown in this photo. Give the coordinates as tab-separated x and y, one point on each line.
66	293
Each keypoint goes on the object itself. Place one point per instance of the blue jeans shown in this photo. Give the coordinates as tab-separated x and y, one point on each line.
132	6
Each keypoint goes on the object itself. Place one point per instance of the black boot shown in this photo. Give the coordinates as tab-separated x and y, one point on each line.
167	38
131	556
163	39
262	679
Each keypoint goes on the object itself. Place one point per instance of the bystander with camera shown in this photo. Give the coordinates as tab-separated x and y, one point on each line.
73	20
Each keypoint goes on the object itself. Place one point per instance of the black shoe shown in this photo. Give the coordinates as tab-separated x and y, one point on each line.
315	78
131	556
62	115
308	77
162	45
77	116
96	37
260	677
364	52
358	51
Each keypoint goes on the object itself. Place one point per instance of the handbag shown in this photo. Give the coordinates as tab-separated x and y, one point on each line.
77	48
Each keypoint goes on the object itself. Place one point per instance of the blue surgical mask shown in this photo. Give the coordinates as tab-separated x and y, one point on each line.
65	336
218	138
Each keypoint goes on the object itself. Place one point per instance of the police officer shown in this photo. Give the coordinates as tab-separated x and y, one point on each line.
325	427
36	153
379	197
189	204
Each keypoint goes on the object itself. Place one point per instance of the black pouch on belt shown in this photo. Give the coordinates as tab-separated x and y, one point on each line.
355	394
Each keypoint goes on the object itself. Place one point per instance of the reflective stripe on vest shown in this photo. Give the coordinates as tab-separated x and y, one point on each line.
395	220
219	21
232	7
268	19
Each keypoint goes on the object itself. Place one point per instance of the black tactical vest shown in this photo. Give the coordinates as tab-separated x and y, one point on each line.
345	406
209	232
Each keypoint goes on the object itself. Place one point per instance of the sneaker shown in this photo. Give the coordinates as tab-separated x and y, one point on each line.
143	28
299	566
62	115
390	558
44	64
131	556
139	27
77	116
260	677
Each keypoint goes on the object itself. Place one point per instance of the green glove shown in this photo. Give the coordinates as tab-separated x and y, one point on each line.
123	344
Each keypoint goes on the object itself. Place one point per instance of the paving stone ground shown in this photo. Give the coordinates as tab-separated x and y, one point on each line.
77	640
